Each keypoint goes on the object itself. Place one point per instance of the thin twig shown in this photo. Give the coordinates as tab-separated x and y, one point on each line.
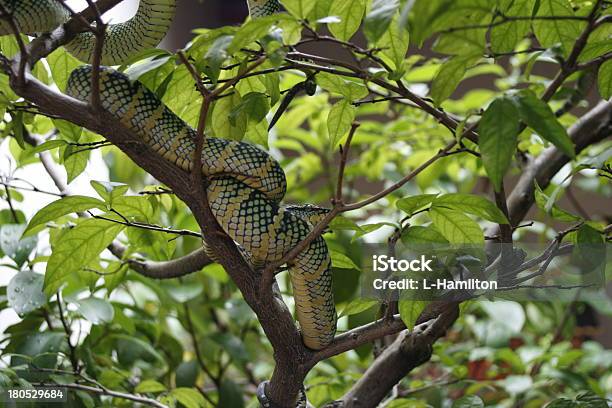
196	347
344	151
110	393
73	357
150	227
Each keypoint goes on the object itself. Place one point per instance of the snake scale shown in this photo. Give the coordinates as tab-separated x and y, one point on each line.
246	184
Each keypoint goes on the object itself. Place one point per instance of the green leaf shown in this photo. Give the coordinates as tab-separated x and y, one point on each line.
471	204
109	191
339	260
255	105
505	36
377	21
252	31
272	83
62	64
563	403
150	386
350	13
468	401
216	272
40	343
75	164
497	138
410	311
422	15
189	397
96	310
448	77
132	348
341	223
299	8
594	49
25	292
215	57
134	207
339	121
394	43
604	80
63	206
551	32
455	226
233	345
356	306
547	204
134	72
48	145
76	249
368	228
590	249
145	57
186	373
14	245
222	126
538	116
181	96
258	134
68	131
335	84
18	126
414	203
418	235
230	394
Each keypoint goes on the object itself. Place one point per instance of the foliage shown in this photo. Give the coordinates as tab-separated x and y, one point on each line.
473	66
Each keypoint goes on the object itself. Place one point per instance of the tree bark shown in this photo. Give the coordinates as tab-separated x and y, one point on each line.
409	350
594	126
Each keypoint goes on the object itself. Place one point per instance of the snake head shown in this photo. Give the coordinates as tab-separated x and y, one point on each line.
312	214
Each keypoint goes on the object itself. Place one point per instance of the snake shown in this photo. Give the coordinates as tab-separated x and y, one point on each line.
245	185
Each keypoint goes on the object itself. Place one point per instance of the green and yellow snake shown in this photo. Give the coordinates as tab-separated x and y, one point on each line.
246	184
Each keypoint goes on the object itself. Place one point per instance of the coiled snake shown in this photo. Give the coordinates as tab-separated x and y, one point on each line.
246	184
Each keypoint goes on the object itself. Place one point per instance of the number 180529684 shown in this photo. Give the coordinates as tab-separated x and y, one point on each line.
46	394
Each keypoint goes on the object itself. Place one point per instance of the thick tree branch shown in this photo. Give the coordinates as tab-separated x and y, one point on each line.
359	336
408	351
591	128
175	268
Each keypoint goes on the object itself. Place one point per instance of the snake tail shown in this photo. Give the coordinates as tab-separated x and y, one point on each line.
245	192
122	41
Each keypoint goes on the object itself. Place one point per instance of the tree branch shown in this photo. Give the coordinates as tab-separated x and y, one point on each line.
591	128
409	350
359	336
111	393
175	268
